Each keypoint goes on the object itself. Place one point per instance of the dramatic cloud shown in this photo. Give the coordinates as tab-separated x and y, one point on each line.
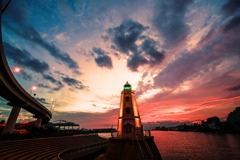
148	54
136	60
169	20
29	33
231	7
105	38
62	37
149	47
60	73
234	88
101	58
219	48
233	23
58	84
43	86
42	100
124	39
74	83
26	76
50	78
180	69
125	36
24	58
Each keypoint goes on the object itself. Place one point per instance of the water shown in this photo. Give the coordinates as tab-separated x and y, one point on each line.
197	146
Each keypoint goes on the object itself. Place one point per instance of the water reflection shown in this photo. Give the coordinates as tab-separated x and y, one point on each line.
197	146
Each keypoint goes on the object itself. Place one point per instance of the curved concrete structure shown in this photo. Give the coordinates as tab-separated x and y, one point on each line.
44	148
12	91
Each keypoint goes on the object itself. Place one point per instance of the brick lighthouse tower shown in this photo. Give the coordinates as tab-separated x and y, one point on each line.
129	122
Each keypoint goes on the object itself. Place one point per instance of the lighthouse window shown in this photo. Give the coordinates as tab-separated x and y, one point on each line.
128	110
127	98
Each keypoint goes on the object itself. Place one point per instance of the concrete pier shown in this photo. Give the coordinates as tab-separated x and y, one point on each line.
11	120
125	149
38	122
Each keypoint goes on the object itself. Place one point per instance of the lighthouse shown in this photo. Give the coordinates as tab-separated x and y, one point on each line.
130	143
129	121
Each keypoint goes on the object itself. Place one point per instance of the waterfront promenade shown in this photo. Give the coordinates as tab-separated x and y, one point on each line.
43	148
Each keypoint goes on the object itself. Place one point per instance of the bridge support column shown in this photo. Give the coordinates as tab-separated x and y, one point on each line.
38	122
11	120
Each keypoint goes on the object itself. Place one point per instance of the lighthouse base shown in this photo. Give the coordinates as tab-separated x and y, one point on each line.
125	149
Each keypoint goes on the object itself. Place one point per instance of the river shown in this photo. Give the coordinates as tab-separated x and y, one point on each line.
197	146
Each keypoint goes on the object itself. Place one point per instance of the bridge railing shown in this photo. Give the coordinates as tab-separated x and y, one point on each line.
83	150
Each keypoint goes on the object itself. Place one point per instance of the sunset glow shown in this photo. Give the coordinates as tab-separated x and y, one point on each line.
181	59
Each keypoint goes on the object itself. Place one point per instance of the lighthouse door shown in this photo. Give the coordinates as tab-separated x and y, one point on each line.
128	129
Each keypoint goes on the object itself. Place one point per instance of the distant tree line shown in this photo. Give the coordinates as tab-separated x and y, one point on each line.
212	124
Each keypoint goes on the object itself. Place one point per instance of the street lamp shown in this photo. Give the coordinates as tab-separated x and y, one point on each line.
53	105
33	88
17	70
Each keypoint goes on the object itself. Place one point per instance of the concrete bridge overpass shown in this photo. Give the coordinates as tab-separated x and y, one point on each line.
18	98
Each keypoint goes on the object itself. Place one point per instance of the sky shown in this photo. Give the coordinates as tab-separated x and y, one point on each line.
182	58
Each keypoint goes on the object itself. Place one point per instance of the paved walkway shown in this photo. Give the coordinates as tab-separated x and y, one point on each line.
42	148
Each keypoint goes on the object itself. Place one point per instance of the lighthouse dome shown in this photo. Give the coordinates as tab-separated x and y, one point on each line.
127	86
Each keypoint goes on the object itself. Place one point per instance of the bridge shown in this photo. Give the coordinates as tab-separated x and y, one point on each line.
18	98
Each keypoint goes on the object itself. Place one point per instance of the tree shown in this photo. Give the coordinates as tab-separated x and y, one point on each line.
234	116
